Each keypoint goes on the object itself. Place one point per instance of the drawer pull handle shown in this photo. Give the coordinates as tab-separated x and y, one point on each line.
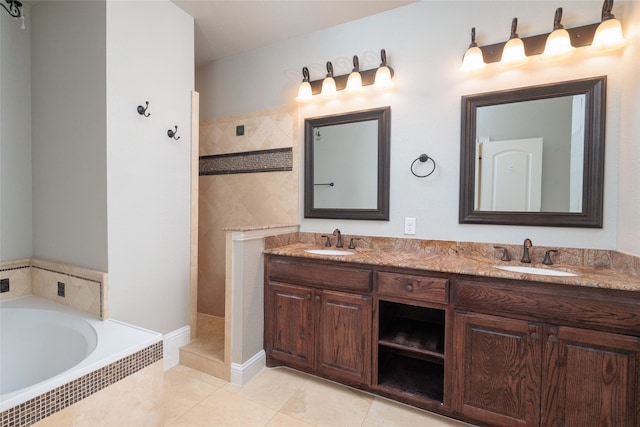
409	287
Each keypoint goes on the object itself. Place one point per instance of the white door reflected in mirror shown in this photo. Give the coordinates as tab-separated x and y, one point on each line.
510	175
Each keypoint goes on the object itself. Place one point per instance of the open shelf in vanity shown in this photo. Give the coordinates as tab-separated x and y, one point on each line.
410	349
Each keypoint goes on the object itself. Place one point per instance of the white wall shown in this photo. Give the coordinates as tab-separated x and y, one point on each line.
149	58
68	66
425	43
629	190
16	239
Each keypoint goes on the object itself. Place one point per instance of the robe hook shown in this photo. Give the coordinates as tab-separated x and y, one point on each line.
172	133
143	110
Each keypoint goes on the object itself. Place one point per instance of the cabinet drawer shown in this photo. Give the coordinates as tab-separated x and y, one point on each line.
572	306
291	270
423	288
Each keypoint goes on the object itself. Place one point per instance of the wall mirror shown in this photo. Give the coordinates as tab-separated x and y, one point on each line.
347	165
534	155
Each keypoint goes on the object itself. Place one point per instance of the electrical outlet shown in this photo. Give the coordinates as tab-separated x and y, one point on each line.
4	285
240	130
409	225
61	289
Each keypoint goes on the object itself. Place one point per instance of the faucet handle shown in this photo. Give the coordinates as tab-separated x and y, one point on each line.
352	245
505	253
547	257
328	242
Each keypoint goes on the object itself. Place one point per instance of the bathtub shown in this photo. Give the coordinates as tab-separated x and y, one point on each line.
49	350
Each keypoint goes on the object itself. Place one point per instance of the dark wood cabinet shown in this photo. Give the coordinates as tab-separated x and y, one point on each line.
290	326
319	330
344	336
410	328
519	372
498	369
590	378
491	351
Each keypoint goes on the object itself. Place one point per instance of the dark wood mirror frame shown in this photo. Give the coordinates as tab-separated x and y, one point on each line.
593	172
381	212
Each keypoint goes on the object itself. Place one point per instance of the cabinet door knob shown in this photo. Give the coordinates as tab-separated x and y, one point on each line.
409	287
553	338
308	296
535	336
317	297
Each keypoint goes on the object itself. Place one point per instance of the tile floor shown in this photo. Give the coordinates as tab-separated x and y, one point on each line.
279	397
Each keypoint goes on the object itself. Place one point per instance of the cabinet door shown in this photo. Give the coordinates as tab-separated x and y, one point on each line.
498	369
289	324
590	379
344	336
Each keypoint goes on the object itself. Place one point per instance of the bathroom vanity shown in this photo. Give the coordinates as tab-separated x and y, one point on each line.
492	347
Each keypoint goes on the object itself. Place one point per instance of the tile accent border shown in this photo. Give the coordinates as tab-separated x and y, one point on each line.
86	289
274	160
40	407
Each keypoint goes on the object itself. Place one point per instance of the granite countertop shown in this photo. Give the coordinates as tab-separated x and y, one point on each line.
477	266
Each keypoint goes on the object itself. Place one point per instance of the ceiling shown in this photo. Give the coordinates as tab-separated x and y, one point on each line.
228	27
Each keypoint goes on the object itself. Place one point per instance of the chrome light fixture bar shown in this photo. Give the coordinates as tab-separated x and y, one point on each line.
582	36
379	77
13	8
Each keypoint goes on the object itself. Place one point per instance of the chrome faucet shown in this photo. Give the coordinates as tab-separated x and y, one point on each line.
525	251
339	242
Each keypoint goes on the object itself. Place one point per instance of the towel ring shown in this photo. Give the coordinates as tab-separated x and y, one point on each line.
423	158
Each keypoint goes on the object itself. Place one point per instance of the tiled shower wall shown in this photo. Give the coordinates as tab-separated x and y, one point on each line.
245	196
84	290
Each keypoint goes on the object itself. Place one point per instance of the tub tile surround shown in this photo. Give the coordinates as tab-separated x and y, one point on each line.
66	404
85	290
19	274
596	268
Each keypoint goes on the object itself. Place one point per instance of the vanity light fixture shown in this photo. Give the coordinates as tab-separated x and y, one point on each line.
473	59
380	77
558	43
304	90
609	32
354	82
329	83
604	35
513	52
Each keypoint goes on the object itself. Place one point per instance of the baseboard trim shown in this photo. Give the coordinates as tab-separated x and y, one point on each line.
172	343
242	373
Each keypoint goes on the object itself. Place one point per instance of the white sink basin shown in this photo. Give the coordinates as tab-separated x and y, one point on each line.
329	252
534	270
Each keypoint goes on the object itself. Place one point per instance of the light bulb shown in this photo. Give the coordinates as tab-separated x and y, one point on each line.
354	82
304	92
328	86
383	78
473	59
513	53
608	35
558	44
383	73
